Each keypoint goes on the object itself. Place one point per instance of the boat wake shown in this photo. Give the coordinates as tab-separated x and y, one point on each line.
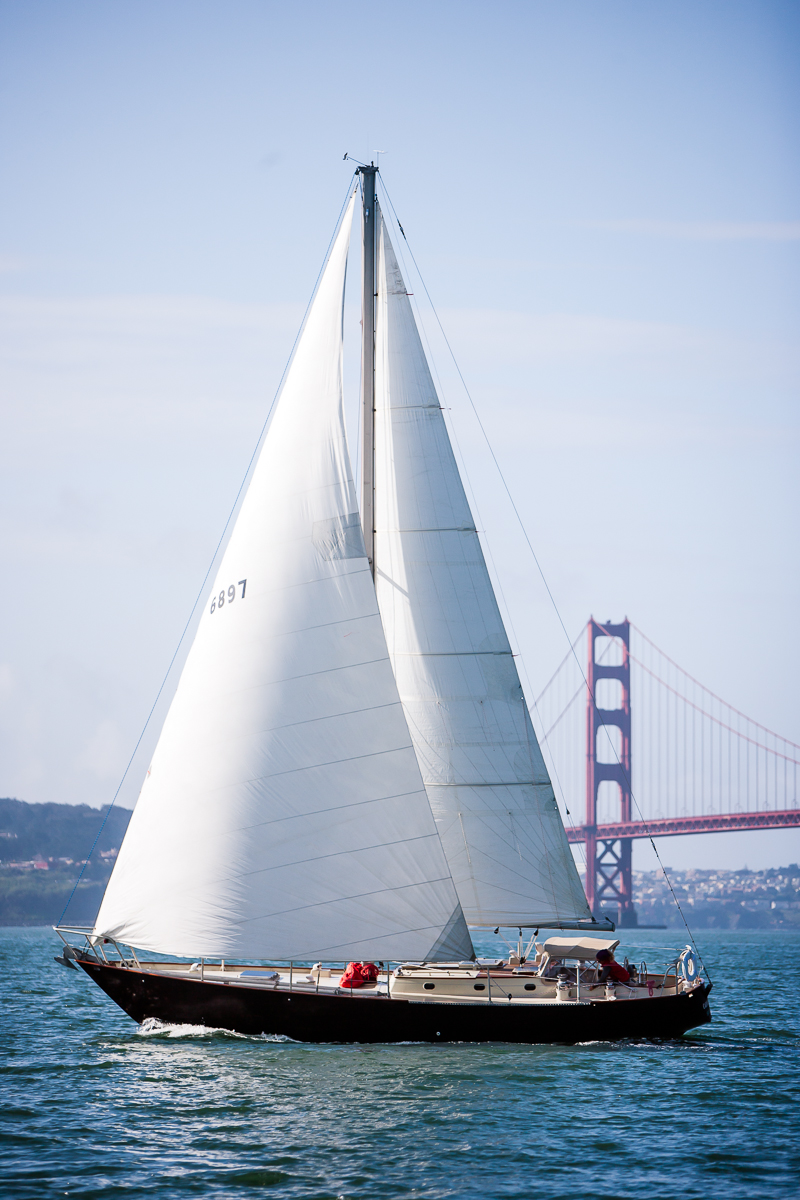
152	1027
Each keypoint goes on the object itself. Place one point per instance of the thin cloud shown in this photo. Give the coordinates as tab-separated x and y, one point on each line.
508	345
706	231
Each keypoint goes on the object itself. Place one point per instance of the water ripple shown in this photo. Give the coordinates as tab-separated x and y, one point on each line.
92	1106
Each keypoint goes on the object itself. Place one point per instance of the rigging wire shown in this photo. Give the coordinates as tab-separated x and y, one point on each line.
225	529
536	561
575	695
567	658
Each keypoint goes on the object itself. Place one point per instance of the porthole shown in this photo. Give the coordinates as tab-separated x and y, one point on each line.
479	987
429	986
530	987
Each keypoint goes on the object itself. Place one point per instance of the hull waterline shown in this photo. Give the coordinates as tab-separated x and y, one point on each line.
309	1017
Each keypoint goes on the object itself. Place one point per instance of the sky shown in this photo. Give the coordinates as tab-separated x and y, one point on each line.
604	204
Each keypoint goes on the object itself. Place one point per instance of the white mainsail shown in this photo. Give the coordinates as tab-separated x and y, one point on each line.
284	815
487	782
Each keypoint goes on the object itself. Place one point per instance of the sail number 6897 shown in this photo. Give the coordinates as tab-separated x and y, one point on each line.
229	595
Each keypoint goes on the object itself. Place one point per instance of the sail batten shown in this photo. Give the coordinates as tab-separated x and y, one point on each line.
485	777
284	815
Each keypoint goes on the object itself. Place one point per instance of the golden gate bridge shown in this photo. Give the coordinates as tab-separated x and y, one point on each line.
644	750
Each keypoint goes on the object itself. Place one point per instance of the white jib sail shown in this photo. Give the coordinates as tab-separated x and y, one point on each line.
283	815
487	782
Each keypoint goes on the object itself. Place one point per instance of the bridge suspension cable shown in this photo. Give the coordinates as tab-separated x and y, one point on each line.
694	754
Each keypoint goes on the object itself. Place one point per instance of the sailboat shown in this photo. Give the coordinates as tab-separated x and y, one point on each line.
348	778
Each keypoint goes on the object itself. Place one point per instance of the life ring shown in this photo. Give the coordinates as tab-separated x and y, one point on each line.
689	965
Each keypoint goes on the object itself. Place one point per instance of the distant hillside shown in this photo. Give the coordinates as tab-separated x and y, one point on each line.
42	850
57	830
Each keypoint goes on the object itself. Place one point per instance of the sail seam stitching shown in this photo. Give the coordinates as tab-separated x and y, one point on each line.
350	712
356	895
496	783
455	654
320	811
333	762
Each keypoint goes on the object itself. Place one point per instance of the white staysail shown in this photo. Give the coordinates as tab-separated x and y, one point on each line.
487	782
284	815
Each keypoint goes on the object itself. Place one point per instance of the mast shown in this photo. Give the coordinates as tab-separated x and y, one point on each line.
368	175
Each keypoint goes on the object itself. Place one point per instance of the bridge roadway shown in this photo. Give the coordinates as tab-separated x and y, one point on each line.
673	826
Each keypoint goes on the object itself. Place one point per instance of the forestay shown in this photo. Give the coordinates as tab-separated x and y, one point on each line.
283	815
487	782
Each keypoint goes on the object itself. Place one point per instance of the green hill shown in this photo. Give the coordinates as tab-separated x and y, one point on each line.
42	850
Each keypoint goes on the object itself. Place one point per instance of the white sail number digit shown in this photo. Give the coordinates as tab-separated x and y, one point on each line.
219	601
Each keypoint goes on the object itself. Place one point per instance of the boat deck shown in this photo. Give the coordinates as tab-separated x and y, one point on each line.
460	984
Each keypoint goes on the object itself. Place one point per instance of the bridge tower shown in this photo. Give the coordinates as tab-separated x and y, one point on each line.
608	862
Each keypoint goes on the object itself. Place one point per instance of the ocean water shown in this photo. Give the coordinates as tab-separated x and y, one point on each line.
94	1106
